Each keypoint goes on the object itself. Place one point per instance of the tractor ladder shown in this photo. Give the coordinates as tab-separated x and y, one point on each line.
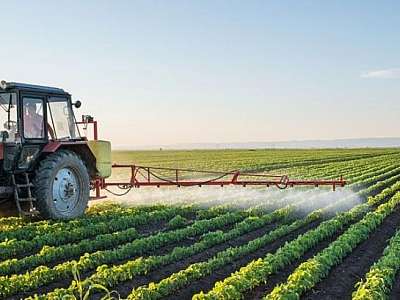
23	194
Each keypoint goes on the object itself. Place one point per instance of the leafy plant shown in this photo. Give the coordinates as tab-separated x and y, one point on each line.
177	222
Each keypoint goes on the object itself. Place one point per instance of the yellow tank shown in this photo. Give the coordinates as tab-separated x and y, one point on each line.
102	151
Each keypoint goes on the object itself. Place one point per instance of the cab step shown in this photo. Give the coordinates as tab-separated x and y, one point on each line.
22	186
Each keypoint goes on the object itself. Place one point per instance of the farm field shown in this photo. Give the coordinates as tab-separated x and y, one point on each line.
255	243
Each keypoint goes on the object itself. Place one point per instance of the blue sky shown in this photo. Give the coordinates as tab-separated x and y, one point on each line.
165	72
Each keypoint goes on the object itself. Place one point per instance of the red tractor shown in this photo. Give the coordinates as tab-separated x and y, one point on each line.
47	167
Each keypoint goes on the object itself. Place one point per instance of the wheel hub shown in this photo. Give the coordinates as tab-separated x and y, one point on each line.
69	190
65	190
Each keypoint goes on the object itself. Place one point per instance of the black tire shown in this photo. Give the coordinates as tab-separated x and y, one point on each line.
46	185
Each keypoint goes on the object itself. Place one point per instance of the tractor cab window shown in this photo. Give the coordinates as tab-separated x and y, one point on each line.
60	119
33	118
8	117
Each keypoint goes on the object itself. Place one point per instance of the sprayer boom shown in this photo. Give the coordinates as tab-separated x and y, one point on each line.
141	176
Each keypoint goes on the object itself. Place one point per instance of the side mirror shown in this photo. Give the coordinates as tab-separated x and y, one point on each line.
77	104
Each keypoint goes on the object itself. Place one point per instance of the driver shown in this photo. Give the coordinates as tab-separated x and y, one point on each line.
33	122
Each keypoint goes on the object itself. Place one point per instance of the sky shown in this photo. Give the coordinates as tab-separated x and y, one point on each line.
168	72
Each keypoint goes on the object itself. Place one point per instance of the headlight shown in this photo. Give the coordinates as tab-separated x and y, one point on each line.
3	84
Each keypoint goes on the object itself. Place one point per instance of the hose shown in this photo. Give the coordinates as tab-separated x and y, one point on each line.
283	184
122	194
194	184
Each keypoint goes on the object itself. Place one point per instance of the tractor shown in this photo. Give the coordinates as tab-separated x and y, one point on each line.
49	169
46	166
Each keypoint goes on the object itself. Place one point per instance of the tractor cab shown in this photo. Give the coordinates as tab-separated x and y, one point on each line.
31	116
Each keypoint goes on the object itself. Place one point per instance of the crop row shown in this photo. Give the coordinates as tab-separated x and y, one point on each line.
109	276
372	177
44	275
373	189
305	162
32	230
362	180
99	213
380	278
254	164
356	173
13	248
349	175
379	183
251	160
227	156
348	168
16	247
198	270
142	265
50	254
313	199
10	223
315	269
258	271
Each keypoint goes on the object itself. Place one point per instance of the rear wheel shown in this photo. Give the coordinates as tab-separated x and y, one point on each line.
61	186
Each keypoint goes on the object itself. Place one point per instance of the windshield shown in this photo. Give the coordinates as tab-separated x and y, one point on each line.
8	116
60	119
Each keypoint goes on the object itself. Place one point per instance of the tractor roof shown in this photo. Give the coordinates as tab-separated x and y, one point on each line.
8	86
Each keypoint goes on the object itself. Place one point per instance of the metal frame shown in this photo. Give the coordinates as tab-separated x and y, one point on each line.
97	183
20	106
148	176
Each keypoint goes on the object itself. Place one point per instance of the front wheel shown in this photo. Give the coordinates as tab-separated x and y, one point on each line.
61	186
